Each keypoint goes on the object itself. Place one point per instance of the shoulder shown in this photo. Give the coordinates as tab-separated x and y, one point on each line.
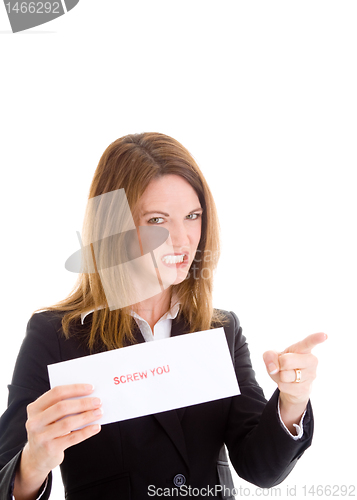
48	324
43	344
238	348
40	347
228	320
44	330
44	335
45	320
232	328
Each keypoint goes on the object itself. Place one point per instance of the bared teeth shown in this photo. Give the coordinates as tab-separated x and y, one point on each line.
173	259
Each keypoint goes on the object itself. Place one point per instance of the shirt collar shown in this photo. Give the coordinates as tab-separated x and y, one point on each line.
84	315
170	314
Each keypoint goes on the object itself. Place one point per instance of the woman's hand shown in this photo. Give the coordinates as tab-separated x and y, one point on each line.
49	433
294	371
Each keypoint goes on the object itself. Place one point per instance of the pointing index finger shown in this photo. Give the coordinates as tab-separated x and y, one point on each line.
305	346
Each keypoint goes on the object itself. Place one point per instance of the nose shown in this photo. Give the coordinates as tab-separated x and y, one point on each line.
179	235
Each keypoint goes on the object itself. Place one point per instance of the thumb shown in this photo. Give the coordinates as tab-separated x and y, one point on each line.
271	360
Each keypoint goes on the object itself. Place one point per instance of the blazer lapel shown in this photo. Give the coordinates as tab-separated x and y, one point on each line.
170	421
179	326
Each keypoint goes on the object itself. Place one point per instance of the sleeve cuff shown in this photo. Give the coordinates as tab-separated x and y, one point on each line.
298	427
43	489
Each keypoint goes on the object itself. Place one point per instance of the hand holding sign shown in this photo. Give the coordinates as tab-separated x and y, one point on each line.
49	433
294	371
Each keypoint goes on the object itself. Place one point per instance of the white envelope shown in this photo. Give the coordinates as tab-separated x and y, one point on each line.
154	376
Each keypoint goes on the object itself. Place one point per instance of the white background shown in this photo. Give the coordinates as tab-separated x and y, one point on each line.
263	94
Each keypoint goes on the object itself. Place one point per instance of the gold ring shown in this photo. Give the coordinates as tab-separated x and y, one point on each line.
298	375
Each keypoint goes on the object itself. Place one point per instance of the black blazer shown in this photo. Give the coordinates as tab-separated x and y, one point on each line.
164	450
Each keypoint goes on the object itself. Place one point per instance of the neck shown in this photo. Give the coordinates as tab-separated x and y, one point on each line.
153	308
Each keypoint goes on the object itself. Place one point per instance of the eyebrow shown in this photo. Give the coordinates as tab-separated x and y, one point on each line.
200	209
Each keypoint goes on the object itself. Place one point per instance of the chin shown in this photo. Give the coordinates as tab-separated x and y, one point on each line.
180	278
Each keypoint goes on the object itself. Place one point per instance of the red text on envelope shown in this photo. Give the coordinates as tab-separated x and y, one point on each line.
132	377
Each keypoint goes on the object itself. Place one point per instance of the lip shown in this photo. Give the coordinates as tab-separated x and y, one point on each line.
184	263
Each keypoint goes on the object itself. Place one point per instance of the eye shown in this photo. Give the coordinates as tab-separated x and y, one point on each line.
156	220
193	216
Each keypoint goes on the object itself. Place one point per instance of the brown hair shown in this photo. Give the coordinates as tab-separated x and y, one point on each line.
132	162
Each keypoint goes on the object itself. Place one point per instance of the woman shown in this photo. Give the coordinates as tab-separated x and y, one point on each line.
111	307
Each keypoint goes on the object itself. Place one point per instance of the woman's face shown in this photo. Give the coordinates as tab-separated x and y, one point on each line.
172	203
